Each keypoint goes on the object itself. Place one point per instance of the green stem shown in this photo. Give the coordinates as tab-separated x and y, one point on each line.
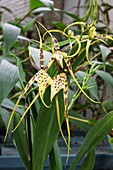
75	96
29	133
81	120
23	18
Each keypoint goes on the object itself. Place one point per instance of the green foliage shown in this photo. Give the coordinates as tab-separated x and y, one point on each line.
79	44
98	132
21	141
55	159
91	83
10	35
89	160
39	3
105	76
8	78
35	4
105	52
41	134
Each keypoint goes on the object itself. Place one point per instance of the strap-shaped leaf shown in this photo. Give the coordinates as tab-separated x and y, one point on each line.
5	114
55	158
8	78
10	35
21	141
55	126
8	104
89	161
46	130
42	132
94	89
97	133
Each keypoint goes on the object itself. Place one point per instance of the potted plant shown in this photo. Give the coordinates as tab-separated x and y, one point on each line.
45	102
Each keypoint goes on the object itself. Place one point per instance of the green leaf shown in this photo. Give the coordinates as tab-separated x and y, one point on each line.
41	3
107	105
21	141
109	65
97	133
8	78
80	76
91	82
41	133
110	140
35	4
89	161
55	127
48	3
29	25
105	52
55	158
11	33
5	115
79	59
37	104
46	131
70	95
94	88
21	71
42	10
8	104
59	25
105	76
71	15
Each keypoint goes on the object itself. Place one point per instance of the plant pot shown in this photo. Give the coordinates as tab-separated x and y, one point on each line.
11	163
104	156
103	162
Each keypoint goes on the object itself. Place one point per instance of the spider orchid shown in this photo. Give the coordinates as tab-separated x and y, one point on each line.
60	81
59	56
43	81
